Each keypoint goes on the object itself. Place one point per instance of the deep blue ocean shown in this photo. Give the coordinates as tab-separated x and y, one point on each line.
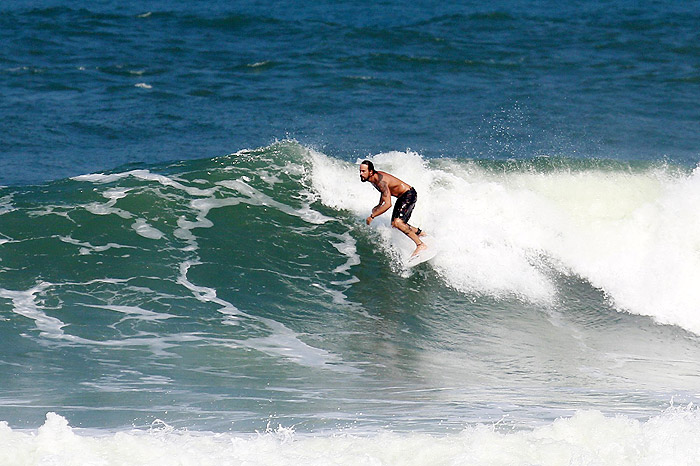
186	276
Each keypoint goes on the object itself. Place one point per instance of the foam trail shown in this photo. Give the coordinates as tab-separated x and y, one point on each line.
6	204
208	295
145	175
255	197
348	248
134	312
146	230
284	342
25	304
281	342
107	208
88	248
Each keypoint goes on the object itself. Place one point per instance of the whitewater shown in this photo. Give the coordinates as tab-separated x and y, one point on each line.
633	234
585	439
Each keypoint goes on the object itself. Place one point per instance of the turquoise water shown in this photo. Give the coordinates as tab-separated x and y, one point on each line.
220	294
186	275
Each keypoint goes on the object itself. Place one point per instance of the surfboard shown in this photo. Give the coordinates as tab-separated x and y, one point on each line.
424	255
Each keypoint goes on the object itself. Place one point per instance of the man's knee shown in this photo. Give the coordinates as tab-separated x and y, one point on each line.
398	223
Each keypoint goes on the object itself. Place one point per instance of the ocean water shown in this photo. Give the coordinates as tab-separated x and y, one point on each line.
185	272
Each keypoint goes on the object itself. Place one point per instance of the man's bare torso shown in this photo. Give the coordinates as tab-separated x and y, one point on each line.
396	186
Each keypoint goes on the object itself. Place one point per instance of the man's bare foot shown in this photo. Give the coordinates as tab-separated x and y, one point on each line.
419	248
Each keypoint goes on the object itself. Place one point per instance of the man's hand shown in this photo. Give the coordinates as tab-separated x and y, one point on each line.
369	219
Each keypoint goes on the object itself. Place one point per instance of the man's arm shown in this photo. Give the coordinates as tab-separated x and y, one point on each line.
384	201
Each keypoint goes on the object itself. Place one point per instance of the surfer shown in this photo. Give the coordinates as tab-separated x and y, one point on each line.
388	185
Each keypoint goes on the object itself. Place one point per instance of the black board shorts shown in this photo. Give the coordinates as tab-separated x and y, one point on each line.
404	205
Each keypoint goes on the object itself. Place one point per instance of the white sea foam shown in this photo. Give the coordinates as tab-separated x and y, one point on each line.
206	294
116	193
6	204
281	341
170	182
347	247
479	253
107	208
135	313
587	438
25	304
634	235
88	248
29	304
143	228
256	197
286	343
100	177
143	175
203	204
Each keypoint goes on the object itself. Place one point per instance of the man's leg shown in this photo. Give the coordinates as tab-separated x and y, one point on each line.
409	231
417	231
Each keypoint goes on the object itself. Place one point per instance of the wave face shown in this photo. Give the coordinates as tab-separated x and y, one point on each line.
232	292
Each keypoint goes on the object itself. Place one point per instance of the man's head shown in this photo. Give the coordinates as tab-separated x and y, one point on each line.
366	170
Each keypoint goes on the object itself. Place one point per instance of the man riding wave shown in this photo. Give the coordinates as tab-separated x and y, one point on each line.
406	197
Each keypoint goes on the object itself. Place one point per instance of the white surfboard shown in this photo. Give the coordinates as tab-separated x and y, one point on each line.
425	255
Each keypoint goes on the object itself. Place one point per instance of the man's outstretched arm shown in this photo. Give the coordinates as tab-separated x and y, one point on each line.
384	202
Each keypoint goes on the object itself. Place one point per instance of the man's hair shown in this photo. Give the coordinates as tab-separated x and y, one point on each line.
369	164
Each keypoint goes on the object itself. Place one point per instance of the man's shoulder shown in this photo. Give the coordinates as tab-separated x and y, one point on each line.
387	176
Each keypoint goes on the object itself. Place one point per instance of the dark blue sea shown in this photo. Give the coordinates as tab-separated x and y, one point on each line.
186	276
